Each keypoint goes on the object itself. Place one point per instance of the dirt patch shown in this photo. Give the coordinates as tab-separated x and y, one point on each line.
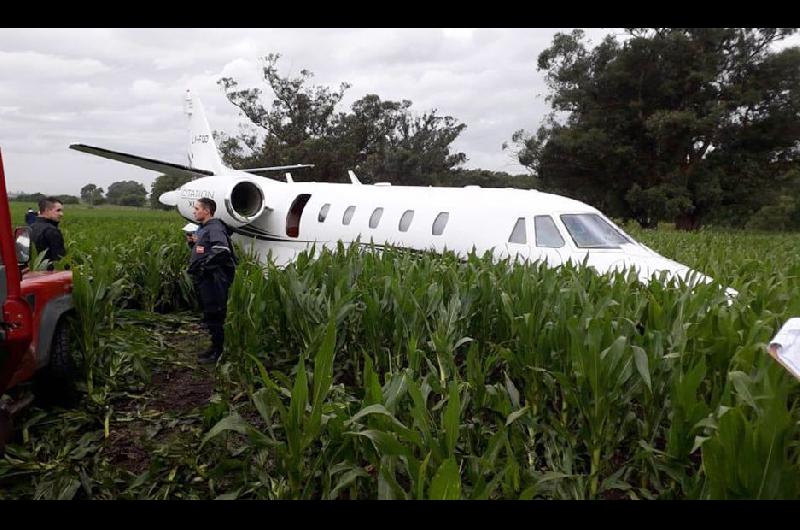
188	340
181	389
253	417
124	448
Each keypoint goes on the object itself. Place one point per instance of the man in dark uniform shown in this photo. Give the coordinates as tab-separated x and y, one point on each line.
45	233
212	267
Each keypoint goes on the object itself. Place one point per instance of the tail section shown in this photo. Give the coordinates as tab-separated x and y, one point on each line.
203	152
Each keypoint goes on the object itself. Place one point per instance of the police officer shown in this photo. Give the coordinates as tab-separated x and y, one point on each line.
45	233
212	267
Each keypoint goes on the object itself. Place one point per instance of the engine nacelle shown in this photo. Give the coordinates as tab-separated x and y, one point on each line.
240	200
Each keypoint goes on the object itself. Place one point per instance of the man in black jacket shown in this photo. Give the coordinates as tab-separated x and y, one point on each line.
45	233
212	267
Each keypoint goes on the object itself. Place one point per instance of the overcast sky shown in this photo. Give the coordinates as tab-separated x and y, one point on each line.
123	89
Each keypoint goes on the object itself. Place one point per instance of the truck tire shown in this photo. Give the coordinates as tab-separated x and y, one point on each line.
56	382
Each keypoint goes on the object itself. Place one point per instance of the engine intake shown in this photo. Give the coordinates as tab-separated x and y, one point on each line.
246	200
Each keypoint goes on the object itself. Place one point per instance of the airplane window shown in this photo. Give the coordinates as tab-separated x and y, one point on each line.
348	215
589	230
375	218
295	213
547	234
518	234
440	223
405	220
323	212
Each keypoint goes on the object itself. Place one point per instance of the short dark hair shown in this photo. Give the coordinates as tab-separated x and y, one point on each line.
48	202
210	204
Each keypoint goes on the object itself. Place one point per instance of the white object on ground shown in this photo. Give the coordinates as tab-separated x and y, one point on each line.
785	346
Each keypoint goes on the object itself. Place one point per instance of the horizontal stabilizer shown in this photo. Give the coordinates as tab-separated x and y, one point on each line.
276	168
146	163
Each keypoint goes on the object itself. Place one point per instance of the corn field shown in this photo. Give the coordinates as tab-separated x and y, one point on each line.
392	375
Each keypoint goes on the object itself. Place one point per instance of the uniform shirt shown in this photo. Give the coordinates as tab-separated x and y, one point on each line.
212	249
47	238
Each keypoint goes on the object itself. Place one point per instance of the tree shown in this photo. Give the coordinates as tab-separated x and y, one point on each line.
380	140
127	193
92	195
163	184
681	124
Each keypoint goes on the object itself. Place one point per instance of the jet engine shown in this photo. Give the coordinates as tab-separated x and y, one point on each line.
240	200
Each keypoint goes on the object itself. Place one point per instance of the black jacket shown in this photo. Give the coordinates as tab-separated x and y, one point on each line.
213	251
47	238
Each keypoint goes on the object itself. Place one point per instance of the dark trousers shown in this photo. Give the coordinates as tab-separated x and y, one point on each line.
212	289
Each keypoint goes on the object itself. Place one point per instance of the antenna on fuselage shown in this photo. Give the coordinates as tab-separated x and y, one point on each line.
353	177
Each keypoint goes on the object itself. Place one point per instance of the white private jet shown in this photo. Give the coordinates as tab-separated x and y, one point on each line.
282	219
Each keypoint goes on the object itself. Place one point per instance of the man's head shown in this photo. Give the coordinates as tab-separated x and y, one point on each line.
204	209
51	208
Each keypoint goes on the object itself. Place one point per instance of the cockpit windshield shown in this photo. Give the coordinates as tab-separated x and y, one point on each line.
589	230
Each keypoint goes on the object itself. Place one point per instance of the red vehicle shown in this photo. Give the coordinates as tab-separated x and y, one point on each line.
33	322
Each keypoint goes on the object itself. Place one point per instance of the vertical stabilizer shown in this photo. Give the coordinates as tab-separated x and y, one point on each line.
203	152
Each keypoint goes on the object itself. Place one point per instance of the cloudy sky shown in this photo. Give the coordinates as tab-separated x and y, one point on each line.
122	89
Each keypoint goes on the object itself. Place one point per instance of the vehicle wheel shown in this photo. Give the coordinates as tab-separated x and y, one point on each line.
56	382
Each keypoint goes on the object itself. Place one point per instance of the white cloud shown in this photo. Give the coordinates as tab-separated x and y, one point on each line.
43	66
146	89
123	88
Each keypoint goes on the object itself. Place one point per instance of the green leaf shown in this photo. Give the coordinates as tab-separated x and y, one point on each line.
234	422
446	483
346	479
385	443
451	421
513	393
741	383
642	366
514	416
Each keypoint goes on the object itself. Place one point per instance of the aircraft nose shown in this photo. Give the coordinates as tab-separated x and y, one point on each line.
169	198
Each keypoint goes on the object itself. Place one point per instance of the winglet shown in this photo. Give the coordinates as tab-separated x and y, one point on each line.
353	177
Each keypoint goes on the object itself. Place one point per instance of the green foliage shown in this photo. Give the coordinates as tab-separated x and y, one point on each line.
127	193
35	197
683	124
92	195
380	140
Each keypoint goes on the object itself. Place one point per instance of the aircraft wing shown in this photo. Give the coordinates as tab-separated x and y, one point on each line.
146	163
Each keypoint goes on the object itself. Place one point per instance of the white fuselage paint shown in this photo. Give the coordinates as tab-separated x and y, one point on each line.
479	219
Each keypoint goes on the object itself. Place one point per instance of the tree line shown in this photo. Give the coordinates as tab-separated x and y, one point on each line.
690	125
122	193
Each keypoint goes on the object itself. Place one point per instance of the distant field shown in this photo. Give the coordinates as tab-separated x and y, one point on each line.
417	376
